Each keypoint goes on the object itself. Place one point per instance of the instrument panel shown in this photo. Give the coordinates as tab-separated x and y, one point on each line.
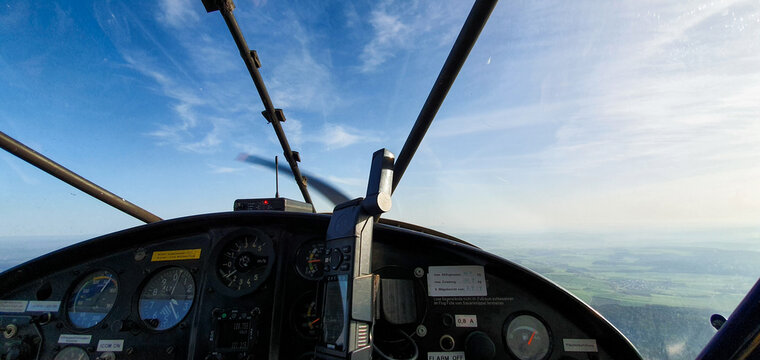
246	285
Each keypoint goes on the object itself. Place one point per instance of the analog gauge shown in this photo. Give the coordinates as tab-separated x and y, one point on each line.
309	260
306	317
92	299
72	353
166	298
527	337
245	262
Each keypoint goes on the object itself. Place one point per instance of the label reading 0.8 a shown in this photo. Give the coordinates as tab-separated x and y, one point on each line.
470	321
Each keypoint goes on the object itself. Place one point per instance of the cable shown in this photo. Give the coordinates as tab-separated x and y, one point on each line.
384	356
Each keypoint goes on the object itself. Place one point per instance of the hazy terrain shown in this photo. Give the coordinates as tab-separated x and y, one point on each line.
660	294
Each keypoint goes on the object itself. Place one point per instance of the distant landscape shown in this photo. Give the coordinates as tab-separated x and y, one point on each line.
660	296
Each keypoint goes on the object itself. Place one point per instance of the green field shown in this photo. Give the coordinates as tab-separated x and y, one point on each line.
661	298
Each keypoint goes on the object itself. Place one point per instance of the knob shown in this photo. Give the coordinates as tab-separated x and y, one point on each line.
478	346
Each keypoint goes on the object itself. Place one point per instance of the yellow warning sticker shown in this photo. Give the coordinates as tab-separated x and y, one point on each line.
172	255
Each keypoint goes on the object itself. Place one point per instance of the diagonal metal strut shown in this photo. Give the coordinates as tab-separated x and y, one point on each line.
226	7
471	29
25	153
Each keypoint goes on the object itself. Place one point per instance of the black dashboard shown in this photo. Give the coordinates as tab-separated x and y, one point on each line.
246	285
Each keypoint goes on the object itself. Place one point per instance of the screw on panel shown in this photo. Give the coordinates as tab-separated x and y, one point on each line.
419	272
10	331
421	330
139	254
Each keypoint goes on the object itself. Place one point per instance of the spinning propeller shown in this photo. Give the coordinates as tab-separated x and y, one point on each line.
330	192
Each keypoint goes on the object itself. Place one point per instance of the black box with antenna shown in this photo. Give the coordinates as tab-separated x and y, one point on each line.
276	204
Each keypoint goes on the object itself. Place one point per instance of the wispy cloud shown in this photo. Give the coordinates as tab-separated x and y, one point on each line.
390	33
336	136
685	112
203	114
302	77
216	169
16	169
330	136
655	126
299	82
399	25
177	13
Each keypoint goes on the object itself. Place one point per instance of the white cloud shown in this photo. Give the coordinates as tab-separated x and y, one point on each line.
336	136
203	112
390	33
301	79
657	126
177	13
398	26
299	82
225	169
330	136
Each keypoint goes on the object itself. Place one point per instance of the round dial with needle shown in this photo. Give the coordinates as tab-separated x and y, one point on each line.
527	337
306	316
166	298
92	299
72	353
309	260
245	262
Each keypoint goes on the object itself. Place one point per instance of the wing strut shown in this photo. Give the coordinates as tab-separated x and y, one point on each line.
471	29
25	153
251	60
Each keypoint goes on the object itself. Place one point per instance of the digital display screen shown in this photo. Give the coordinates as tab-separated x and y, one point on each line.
335	317
233	334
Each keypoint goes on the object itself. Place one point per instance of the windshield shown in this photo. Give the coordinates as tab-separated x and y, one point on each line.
613	147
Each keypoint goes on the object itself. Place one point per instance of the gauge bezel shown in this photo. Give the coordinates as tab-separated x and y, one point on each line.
71	346
67	299
295	308
222	243
512	317
145	282
296	262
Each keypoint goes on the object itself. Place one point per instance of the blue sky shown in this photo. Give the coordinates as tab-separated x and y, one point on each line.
582	116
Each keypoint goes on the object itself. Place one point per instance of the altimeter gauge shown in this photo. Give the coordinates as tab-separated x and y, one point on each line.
166	298
245	261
